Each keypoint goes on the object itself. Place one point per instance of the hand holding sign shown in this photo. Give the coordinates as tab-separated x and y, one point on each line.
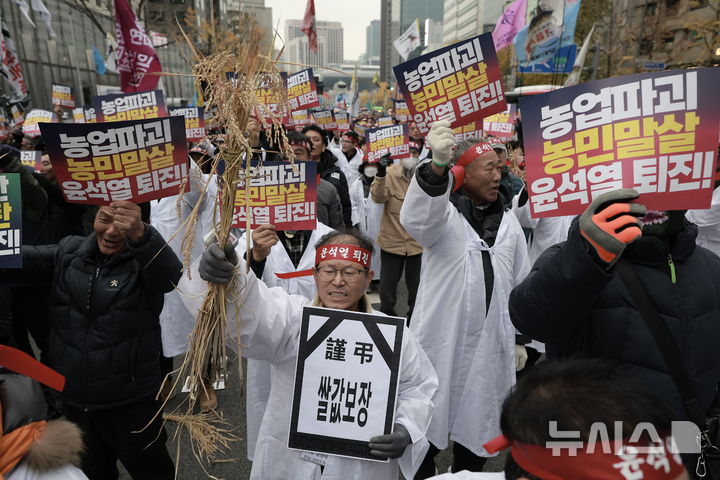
264	238
610	223
392	445
127	219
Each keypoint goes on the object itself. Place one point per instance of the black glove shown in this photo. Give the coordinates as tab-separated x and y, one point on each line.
392	445
382	165
216	265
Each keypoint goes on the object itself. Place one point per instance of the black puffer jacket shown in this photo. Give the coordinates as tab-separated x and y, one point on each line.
328	170
569	302
104	314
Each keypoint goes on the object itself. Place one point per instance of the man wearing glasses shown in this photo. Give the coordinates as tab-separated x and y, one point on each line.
270	320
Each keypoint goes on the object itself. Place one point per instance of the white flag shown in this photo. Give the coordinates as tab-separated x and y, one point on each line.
10	64
23	6
41	10
111	57
574	76
409	40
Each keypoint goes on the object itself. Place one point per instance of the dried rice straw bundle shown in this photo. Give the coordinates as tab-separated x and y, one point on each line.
230	82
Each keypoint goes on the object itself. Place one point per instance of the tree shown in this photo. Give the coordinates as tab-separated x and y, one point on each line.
702	31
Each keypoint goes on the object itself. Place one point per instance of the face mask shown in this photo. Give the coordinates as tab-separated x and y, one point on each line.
370	171
409	163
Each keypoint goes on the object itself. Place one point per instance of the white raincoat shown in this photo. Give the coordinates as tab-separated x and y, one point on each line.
708	223
259	371
349	168
68	472
367	213
546	231
164	217
473	353
269	329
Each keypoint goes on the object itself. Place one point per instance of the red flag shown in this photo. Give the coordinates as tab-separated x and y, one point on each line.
308	26
135	54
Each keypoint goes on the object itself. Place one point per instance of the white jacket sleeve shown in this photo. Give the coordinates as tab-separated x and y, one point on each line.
424	217
418	383
523	213
521	262
266	321
707	217
356	199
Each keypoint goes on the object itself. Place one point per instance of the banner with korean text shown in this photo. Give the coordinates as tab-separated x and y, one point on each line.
394	140
62	95
10	221
32	159
471	130
281	194
402	112
298	118
130	106
90	116
654	132
325	120
385	121
501	125
346	381
268	102
194	121
78	115
302	91
343	121
460	83
34	118
139	160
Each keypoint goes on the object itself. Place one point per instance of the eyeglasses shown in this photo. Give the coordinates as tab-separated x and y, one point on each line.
349	274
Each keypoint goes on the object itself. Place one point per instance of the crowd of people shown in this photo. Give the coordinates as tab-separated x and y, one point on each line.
491	290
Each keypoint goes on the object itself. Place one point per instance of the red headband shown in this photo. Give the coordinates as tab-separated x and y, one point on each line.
305	145
627	461
466	159
352	253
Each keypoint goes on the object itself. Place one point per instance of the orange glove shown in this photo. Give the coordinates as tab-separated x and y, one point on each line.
609	223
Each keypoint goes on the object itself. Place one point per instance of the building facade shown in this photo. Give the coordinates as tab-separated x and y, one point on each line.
329	33
372	44
467	18
395	17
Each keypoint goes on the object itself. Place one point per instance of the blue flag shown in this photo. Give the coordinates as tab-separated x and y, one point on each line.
193	102
551	28
99	62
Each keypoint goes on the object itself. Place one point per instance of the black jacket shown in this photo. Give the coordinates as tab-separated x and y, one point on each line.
572	304
104	315
328	170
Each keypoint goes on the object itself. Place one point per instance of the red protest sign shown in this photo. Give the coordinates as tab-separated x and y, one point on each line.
62	95
32	159
471	130
118	107
343	121
301	90
459	83
394	140
31	126
654	132
194	121
324	119
139	160
279	194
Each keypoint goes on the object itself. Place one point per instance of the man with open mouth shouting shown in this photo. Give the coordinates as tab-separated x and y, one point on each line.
586	296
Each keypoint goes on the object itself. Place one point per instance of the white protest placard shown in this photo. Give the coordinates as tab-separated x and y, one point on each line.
346	381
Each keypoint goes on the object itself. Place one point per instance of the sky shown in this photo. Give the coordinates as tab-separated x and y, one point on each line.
355	16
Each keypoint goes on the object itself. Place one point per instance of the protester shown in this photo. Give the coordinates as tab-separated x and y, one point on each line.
367	213
574	301
329	210
417	138
280	259
107	294
33	447
399	251
328	170
474	253
567	392
269	322
512	183
349	144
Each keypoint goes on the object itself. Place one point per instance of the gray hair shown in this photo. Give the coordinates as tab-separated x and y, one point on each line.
464	146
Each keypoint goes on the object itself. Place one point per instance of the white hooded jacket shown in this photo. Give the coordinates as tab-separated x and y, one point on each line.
269	322
472	352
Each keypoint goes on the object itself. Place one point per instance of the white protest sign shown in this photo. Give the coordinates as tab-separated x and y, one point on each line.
346	381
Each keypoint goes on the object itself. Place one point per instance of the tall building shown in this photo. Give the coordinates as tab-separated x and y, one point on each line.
395	17
263	16
467	18
330	33
372	43
298	51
